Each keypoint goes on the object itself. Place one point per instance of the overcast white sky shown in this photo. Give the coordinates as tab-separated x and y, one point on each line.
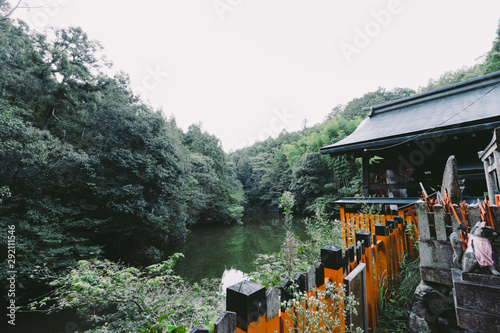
247	69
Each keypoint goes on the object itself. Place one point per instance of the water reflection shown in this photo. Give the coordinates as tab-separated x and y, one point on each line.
231	277
211	249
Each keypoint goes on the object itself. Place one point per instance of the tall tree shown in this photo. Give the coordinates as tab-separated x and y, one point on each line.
492	63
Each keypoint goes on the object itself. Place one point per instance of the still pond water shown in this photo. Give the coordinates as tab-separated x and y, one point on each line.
211	251
214	251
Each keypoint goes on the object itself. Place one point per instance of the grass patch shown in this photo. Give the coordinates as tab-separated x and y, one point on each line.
395	309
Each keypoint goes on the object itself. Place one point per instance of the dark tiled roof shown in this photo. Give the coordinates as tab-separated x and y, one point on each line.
469	106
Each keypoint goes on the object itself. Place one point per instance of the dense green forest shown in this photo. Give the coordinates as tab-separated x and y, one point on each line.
86	166
292	162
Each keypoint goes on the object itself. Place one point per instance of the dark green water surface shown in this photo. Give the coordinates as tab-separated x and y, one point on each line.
212	250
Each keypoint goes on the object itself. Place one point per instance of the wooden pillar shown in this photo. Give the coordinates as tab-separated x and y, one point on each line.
248	300
366	240
273	309
366	174
225	324
355	284
343	225
393	250
331	258
383	268
286	324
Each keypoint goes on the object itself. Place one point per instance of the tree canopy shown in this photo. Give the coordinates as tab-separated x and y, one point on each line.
90	166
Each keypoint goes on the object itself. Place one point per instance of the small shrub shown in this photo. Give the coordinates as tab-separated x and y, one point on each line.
396	307
111	297
320	312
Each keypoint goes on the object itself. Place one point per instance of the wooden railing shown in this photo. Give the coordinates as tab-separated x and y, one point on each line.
374	246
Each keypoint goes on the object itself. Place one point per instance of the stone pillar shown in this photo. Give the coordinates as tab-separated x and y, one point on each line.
450	180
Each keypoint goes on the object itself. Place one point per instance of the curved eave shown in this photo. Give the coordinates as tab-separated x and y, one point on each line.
359	147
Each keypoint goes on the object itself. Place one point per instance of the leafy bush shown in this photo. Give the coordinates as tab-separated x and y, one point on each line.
296	255
396	307
111	297
322	311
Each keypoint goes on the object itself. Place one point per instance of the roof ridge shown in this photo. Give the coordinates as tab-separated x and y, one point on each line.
449	90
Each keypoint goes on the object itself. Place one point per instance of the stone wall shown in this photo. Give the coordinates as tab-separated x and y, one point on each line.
436	309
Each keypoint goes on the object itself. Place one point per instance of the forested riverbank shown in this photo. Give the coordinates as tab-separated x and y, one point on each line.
86	166
89	171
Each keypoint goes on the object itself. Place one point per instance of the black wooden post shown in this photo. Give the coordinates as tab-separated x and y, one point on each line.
320	274
331	257
198	330
248	300
364	237
226	323
366	174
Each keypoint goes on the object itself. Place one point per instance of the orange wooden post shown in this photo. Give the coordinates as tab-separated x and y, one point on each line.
343	224
248	300
345	230
372	225
348	229
397	236
273	310
393	251
352	258
382	233
331	258
366	240
352	227
376	274
400	238
411	243
402	227
301	284
286	320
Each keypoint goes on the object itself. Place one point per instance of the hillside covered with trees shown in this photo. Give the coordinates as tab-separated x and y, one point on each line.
85	165
292	161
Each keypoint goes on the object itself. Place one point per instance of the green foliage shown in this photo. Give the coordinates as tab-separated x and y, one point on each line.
297	255
492	63
450	77
355	108
396	307
322	311
214	190
292	161
111	297
90	166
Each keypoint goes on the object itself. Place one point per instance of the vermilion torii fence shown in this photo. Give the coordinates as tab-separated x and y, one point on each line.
374	246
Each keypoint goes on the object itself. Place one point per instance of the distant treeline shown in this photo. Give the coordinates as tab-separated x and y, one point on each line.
292	161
